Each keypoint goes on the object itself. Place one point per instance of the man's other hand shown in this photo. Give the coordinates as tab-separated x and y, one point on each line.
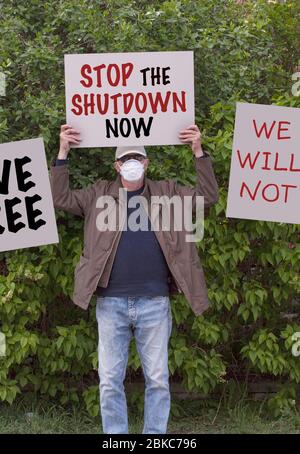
192	135
67	136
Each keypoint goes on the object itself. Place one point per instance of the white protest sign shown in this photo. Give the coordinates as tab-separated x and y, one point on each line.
27	216
264	179
136	98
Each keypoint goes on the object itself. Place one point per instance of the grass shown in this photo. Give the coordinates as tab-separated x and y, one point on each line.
199	417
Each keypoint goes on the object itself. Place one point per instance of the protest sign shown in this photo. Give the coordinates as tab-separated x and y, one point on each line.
264	179
27	215
136	98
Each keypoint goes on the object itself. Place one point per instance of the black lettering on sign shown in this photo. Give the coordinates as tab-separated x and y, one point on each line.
21	175
124	126
12	216
10	210
5	177
32	214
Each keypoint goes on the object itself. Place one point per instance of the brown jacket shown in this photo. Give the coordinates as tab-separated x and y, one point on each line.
95	263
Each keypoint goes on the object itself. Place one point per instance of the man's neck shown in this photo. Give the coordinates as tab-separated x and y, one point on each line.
132	185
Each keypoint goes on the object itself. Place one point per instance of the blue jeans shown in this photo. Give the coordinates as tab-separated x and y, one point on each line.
150	320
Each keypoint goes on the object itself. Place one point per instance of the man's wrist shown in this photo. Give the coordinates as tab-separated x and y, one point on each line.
203	155
198	151
62	156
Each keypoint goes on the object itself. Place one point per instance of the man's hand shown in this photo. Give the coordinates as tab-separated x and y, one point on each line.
67	136
192	136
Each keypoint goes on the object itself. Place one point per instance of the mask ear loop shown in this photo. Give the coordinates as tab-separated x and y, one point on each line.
113	168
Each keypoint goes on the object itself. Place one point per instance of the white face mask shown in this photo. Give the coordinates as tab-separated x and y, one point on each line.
132	170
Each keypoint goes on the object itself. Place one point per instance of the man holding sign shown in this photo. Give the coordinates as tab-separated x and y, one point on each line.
133	272
133	262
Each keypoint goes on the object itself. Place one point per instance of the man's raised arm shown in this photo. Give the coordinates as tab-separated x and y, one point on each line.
206	184
75	201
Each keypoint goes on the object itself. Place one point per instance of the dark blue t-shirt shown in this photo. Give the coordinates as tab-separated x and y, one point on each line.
139	267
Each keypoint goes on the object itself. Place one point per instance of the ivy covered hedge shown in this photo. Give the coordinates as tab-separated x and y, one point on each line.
243	52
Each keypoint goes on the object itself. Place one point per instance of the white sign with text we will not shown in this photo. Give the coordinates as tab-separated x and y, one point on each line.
264	179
